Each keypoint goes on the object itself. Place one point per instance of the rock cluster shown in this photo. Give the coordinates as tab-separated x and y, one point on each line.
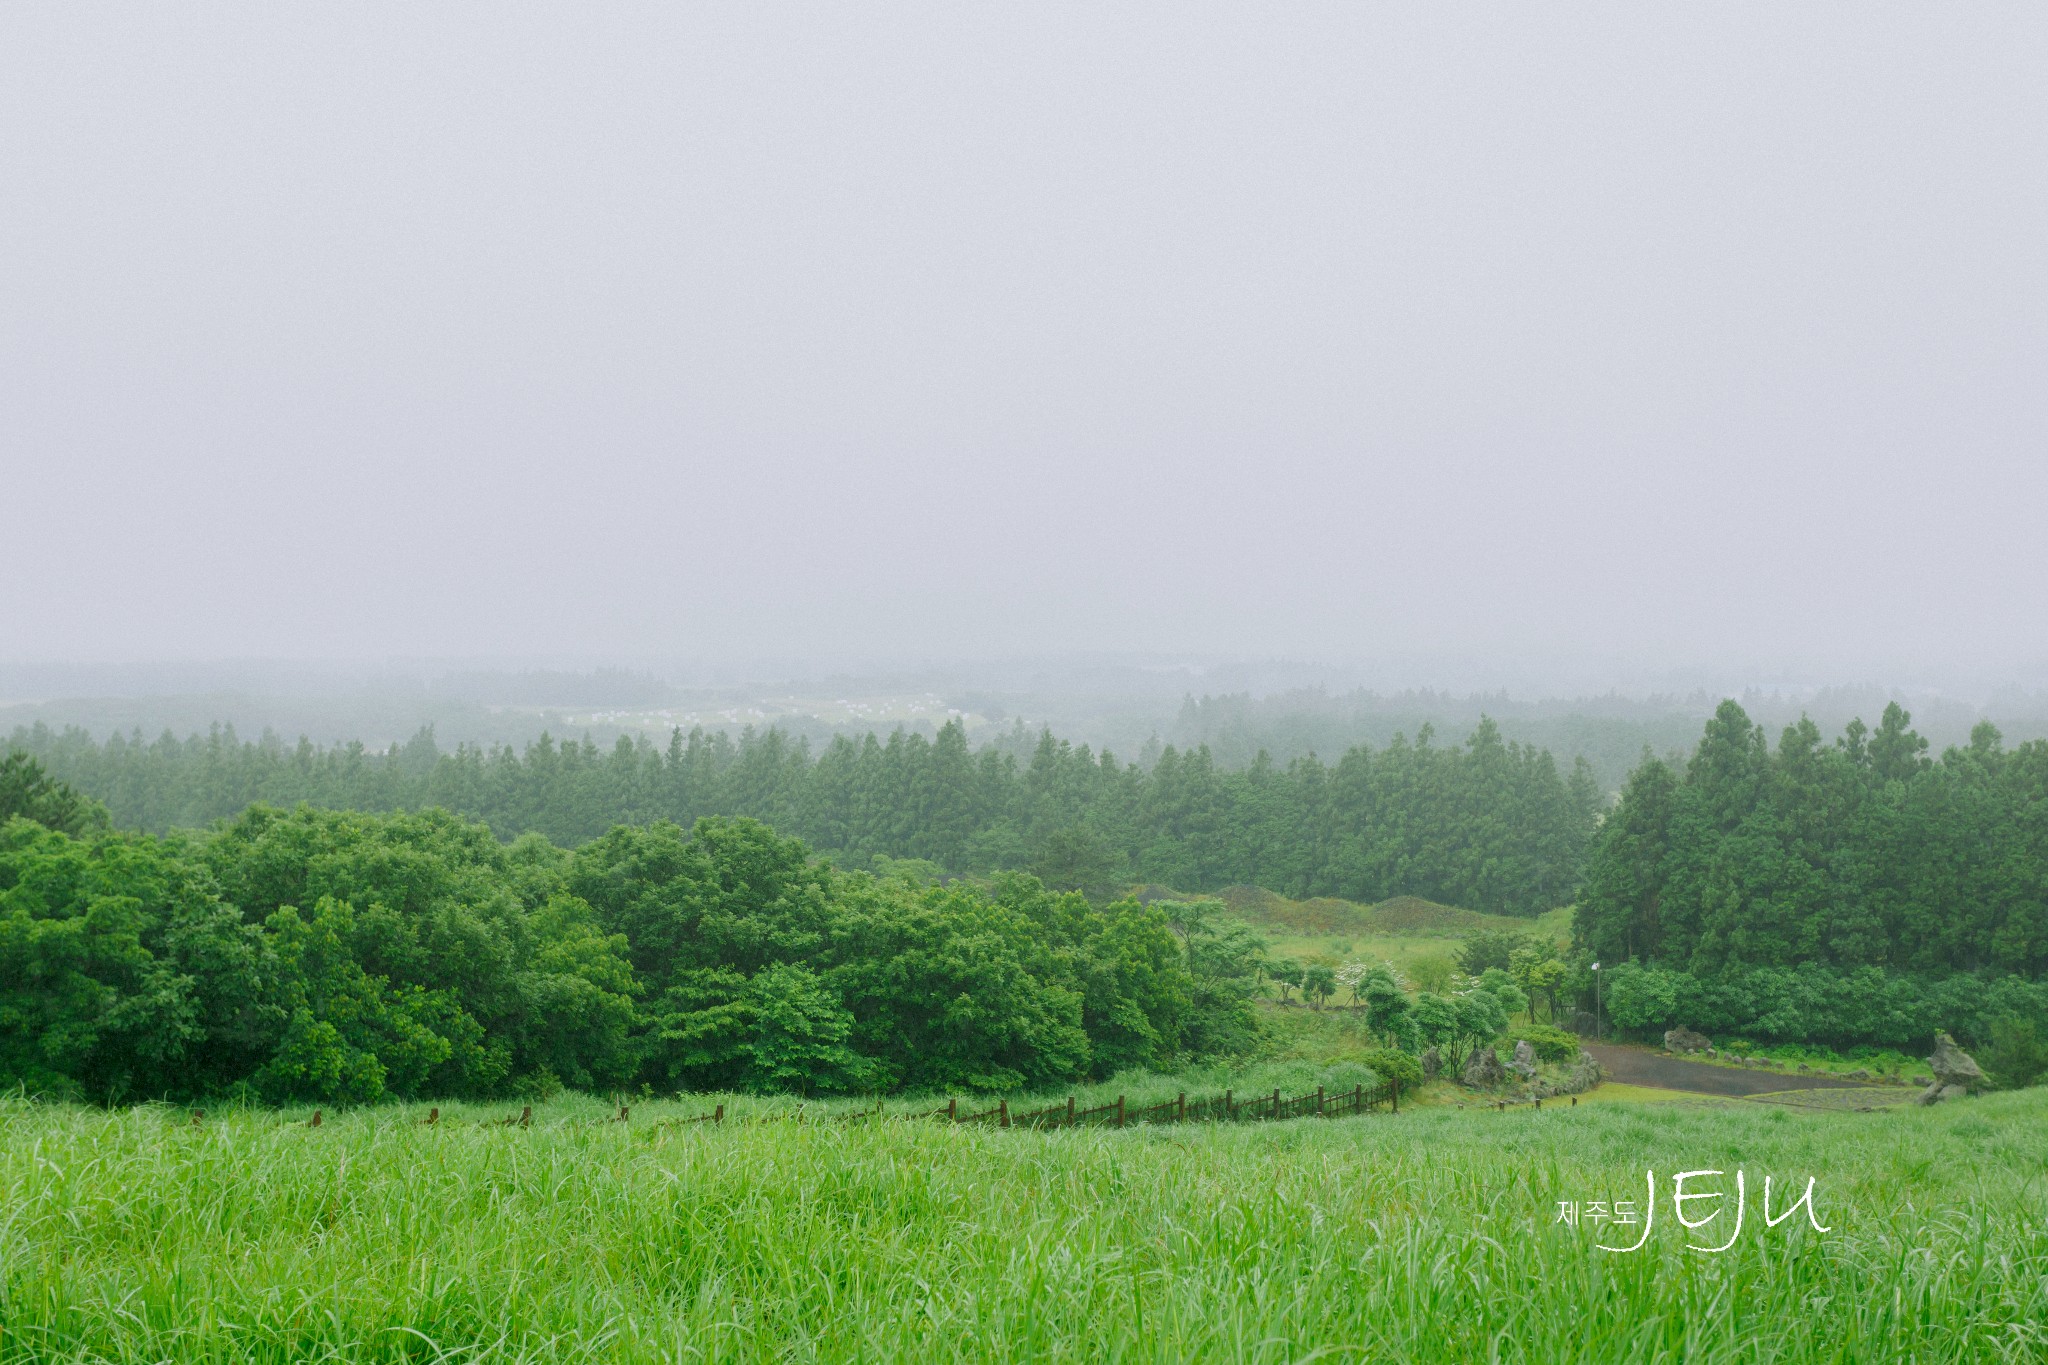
1956	1073
1682	1040
1524	1064
1483	1069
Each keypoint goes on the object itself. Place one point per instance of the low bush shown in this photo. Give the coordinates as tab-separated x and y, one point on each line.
2018	1056
1551	1044
1391	1065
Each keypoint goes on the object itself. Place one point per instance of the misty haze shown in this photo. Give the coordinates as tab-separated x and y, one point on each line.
901	682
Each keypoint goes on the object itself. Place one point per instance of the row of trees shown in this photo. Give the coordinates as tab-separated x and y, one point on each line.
1488	824
1861	853
1854	892
1813	1003
342	956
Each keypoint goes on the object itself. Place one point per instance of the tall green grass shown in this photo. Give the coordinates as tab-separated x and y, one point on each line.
129	1236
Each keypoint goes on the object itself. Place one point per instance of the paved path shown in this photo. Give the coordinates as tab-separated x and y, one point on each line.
1640	1066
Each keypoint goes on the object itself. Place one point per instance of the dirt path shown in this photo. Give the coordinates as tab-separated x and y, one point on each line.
1640	1066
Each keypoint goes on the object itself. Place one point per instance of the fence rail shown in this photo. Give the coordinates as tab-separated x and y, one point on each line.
1118	1113
1224	1108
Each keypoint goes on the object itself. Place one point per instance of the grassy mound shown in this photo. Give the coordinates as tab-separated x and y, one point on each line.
1414	915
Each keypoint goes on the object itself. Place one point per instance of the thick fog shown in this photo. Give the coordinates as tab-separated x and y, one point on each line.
1604	340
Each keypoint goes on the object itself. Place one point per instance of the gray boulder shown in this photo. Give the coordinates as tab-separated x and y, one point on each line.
1524	1064
1683	1040
1953	1066
1432	1064
1936	1093
1483	1069
1584	1075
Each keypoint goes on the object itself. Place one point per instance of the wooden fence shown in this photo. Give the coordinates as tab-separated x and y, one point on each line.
1224	1108
1227	1107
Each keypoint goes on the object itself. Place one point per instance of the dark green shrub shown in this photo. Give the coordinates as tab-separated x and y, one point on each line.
1392	1065
2017	1057
1551	1044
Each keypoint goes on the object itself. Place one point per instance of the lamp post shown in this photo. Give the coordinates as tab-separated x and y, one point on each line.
1596	1000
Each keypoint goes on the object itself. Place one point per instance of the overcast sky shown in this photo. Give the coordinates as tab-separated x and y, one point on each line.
1662	334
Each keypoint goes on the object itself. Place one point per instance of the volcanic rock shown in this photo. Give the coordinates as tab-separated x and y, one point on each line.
1483	1068
1953	1066
1683	1039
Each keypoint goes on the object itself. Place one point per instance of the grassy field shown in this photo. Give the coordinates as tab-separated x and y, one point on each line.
1398	931
1431	1236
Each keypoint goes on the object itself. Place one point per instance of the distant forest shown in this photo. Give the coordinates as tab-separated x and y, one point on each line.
1488	824
1859	888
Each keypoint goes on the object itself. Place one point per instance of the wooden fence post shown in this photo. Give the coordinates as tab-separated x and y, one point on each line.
1119	1111
1319	1099
1003	1113
1070	1111
718	1115
1229	1109
1358	1099
952	1110
316	1120
1276	1102
1395	1082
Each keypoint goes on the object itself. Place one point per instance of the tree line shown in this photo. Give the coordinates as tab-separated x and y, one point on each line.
344	956
1488	824
1856	890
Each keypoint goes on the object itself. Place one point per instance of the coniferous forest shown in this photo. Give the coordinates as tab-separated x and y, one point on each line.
1490	825
1854	889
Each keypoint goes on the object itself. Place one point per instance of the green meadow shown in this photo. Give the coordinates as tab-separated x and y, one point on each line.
1401	932
132	1236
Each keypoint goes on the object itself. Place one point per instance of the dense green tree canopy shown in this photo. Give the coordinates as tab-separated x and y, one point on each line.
27	791
1487	824
1863	852
1853	891
341	956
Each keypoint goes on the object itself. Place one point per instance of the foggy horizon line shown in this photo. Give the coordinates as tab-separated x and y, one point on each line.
26	682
